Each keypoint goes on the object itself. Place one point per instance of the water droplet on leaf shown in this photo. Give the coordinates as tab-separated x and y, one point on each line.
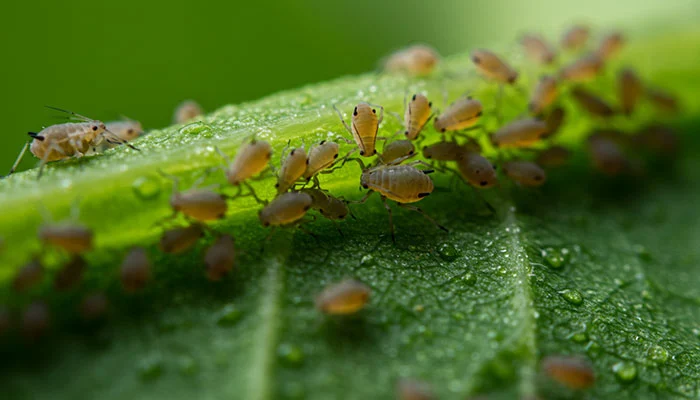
146	187
449	252
657	354
573	296
625	371
555	258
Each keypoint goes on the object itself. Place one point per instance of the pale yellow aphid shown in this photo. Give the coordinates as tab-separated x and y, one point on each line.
73	238
365	125
320	157
94	306
477	170
554	120
630	90
658	138
411	389
293	168
70	274
520	133
343	298
186	111
285	209
418	113
462	114
593	104
525	173
662	100
544	94
538	49
135	270
416	60
575	38
62	141
198	204
610	45
252	158
554	156
36	320
179	240
29	275
572	372
220	257
585	69
493	67
607	156
126	130
397	151
443	151
329	206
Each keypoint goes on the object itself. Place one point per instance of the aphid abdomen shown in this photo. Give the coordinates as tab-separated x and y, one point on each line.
63	141
582	70
345	297
31	274
443	151
537	49
135	270
416	60
251	159
544	94
186	111
179	240
461	114
520	133
492	66
573	372
293	168
365	125
417	115
285	209
401	183
525	173
610	45
397	150
75	239
220	258
321	157
554	156
575	38
592	103
202	205
477	170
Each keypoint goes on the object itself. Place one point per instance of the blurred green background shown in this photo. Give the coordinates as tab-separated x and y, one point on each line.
140	59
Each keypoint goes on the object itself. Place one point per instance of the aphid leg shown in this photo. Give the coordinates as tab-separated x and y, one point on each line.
223	155
252	193
308	232
421	162
338	228
402	159
114	139
345	124
42	163
175	179
284	151
483	200
391	219
381	115
426	216
19	159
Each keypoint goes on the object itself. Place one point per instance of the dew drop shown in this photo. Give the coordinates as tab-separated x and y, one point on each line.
146	187
657	354
291	355
228	316
196	128
555	257
469	278
150	368
579	337
366	259
573	296
449	252
625	371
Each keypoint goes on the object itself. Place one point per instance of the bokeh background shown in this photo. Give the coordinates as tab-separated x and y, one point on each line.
141	58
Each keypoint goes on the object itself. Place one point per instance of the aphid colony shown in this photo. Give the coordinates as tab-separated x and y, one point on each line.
520	150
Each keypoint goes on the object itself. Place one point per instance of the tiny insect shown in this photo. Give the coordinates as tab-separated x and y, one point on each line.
443	151
572	372
520	133
36	320
538	49
493	67
93	306
554	120
411	389
186	111
126	130
658	138
584	69
544	94
630	90
70	274
610	45
135	270
343	298
365	125
607	156
179	240
416	60
397	151
554	156
477	170
71	237
662	100
462	114
220	257
593	104
285	209
525	173
330	207
252	158
293	167
62	141
575	38
198	204
29	275
417	115
320	157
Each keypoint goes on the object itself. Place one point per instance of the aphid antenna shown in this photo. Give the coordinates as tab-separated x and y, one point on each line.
71	113
345	124
357	160
117	140
223	155
252	193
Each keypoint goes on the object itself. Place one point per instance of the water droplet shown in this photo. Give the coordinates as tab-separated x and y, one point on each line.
469	278
196	128
188	366
146	187
291	355
593	348
657	354
555	257
229	315
625	371
573	296
366	259
449	252
579	337
150	368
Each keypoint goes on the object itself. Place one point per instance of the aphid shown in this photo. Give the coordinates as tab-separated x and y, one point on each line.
544	94
477	170
397	151
58	142
220	257
179	240
73	238
252	158
36	320
293	168
443	151
520	133
492	66
135	270
593	104
630	90
365	126
610	45
606	155
575	38
28	276
584	69
418	113
538	49
5	320
199	204
662	100
554	156
410	389
285	209
572	372
186	111
463	113
554	121
525	173
71	274
343	298
94	306
416	60
658	138
320	157
329	206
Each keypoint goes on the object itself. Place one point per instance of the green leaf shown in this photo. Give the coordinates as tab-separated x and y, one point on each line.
588	266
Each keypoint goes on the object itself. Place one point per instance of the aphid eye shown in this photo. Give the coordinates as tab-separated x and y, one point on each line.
406	133
335	155
342	216
307	208
277	185
494	166
322	142
354	111
362	152
266	224
479	113
442	130
365	186
411	152
94	127
430	104
292	152
374	111
414	98
469	97
483	183
322	211
476	59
